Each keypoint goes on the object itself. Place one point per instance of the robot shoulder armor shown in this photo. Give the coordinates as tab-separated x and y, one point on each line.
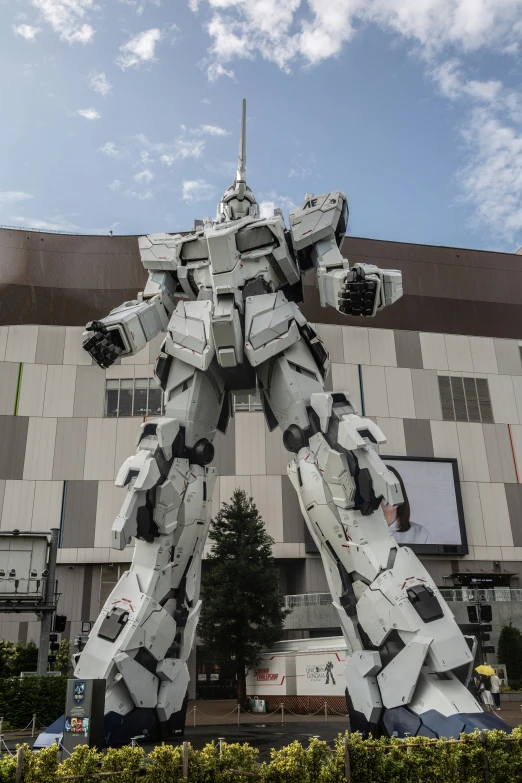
317	218
160	251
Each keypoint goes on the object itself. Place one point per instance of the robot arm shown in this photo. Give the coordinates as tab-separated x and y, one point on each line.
128	328
318	228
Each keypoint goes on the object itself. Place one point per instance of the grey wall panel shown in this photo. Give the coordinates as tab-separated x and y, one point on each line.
94	607
22	632
499	453
332	338
408	350
13	439
86	593
293	522
69	448
514	502
80	514
89	393
2	491
276	456
508	357
8	384
225	446
315	579
417	434
426	394
50	344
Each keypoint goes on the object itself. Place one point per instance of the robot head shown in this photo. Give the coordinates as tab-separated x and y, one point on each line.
238	200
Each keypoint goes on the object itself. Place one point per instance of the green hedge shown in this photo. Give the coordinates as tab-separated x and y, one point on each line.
415	760
21	698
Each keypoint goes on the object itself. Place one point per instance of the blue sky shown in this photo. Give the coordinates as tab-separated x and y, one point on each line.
124	115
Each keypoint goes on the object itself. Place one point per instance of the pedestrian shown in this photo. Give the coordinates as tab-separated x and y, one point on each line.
495	690
485	693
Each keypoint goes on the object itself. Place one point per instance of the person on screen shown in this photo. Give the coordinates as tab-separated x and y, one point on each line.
402	528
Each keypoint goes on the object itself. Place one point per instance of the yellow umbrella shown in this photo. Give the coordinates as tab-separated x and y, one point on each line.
484	669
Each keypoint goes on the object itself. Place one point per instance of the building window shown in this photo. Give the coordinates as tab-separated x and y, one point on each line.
110	575
133	397
248	402
465	399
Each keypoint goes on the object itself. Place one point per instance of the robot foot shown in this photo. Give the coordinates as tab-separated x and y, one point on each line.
400	721
143	722
175	725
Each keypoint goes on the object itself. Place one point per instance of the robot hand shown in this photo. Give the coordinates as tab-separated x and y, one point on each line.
103	345
367	289
359	293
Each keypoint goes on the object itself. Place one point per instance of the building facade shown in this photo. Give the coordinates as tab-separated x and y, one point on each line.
440	372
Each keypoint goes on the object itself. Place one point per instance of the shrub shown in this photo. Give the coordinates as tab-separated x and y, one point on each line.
414	760
21	698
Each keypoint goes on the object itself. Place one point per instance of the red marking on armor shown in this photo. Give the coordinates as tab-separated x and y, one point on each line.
127	601
418	578
345	546
306	232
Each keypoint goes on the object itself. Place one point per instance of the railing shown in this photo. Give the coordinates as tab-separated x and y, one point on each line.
463	594
471	595
33	587
247	402
308	599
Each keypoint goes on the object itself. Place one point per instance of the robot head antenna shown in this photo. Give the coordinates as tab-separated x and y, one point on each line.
238	200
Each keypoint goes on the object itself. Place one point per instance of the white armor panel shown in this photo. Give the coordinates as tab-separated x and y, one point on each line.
316	219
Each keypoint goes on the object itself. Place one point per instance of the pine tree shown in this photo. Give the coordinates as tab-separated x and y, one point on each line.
509	654
243	608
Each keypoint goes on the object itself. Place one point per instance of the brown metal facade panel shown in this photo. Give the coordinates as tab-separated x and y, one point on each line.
21	304
56	279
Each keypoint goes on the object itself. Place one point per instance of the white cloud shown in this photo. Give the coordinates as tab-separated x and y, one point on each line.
66	18
441	33
143	196
26	31
211	130
58	222
144	176
197	190
290	32
139	49
13	196
88	114
492	179
116	184
140	6
99	83
110	149
169	152
269	201
193	148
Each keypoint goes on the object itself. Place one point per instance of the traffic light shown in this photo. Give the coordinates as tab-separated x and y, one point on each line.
51	658
485	637
486	614
53	638
472	614
59	623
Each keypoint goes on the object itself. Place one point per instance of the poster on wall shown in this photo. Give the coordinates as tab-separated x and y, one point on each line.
431	519
320	674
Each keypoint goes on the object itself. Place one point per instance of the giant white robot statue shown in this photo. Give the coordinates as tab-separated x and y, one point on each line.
237	325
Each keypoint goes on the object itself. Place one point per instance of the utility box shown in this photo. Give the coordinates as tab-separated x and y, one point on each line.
84	712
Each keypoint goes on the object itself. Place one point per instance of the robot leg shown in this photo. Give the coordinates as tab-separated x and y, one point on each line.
407	650
144	635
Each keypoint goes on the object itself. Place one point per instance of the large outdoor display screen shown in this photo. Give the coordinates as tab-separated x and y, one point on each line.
434	521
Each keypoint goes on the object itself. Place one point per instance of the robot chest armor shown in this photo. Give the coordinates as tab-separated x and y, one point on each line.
228	256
